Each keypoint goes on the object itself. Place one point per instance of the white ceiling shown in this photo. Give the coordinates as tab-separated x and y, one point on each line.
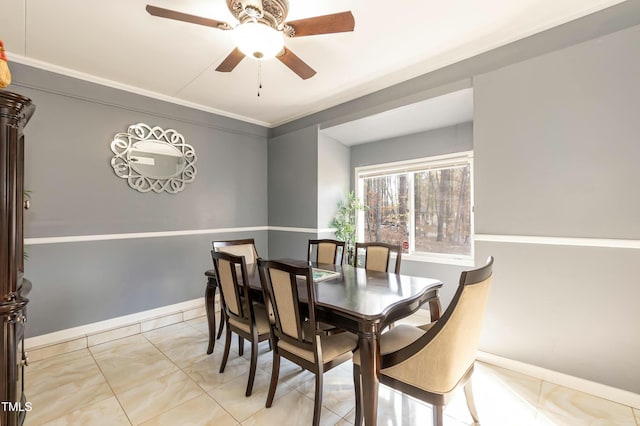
119	44
445	110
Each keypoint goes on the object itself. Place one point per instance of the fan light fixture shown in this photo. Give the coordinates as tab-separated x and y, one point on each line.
259	30
258	41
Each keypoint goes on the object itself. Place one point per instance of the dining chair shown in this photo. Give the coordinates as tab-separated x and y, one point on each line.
378	254
242	247
245	247
326	251
295	334
243	317
429	362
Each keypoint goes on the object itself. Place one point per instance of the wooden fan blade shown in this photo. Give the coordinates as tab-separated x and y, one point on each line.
296	64
326	24
185	17
231	61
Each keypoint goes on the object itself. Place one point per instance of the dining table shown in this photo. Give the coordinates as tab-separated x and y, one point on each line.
357	300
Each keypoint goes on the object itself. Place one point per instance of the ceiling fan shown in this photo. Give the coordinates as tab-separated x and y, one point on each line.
261	28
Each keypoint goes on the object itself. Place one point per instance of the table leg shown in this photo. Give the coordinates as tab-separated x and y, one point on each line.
369	346
435	308
210	307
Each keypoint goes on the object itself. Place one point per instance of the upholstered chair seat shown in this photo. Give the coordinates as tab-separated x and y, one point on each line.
332	346
262	320
396	338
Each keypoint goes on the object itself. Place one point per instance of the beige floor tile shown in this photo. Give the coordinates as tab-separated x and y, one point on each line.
158	396
563	406
199	411
64	399
231	395
395	408
123	376
202	324
110	335
291	409
206	372
290	373
59	360
502	397
125	368
123	345
50	373
41	353
162	321
338	394
171	336
145	372
181	343
105	412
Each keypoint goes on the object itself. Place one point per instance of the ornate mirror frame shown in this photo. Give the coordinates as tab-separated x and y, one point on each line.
141	138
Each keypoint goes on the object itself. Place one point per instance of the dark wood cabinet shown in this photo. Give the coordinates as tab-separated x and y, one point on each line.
15	112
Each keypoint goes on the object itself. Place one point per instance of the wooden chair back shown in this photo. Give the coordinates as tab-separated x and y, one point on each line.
280	287
236	298
326	251
245	247
377	256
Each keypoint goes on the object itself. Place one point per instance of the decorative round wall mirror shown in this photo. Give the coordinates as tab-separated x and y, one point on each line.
153	159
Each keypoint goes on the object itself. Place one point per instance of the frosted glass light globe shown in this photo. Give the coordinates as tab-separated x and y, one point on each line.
258	41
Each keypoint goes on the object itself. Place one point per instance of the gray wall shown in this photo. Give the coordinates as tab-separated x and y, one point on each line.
308	174
293	190
442	141
556	154
75	192
333	177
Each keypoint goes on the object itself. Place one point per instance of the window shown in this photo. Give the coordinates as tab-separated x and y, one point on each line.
426	206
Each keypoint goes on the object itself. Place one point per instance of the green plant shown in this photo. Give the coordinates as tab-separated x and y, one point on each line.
345	223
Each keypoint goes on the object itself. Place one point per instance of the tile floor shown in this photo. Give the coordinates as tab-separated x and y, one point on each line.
164	377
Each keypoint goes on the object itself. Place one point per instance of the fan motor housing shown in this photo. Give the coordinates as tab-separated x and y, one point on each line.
269	12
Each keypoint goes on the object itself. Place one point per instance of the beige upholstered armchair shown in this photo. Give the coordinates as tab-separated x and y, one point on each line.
247	319
326	251
377	256
296	336
430	361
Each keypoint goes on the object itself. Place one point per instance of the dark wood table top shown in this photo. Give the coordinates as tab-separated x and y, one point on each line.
362	295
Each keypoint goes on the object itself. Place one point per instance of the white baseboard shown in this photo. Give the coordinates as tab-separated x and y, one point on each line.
593	388
110	324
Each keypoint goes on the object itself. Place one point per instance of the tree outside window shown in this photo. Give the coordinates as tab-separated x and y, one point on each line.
426	206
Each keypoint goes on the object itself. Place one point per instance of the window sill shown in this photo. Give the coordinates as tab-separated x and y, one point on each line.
437	259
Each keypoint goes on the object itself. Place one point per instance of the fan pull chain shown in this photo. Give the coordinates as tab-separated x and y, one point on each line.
259	77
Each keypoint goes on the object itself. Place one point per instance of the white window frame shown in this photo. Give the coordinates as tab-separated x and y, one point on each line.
416	165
